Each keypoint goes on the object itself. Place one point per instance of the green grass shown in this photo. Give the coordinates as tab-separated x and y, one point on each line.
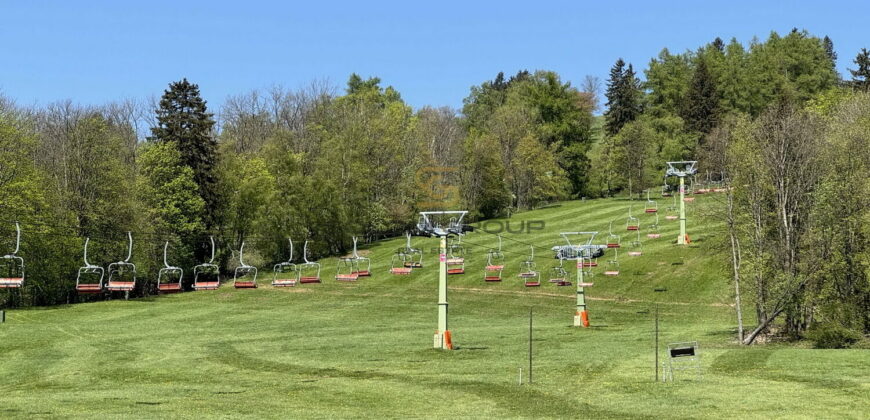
364	349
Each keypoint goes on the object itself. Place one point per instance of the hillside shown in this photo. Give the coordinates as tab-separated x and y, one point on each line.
364	349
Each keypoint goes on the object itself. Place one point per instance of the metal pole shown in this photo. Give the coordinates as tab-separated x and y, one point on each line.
657	342
441	341
682	239
530	345
580	314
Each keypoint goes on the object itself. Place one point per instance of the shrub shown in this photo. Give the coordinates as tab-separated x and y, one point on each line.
832	336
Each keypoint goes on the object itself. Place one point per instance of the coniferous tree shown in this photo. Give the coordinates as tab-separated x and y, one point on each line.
623	97
829	50
861	76
701	106
719	44
182	117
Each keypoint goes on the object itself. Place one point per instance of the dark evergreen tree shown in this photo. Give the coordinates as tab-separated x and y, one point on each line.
700	108
719	44
623	97
183	118
861	76
829	50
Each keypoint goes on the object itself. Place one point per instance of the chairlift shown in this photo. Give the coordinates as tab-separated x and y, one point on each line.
672	211
494	264
413	256
654	229
651	205
12	276
206	276
528	270
308	271
122	274
89	280
169	277
399	263
455	257
705	185
559	275
611	267
613	240
587	252
360	261
636	249
244	276
632	223
347	268
284	273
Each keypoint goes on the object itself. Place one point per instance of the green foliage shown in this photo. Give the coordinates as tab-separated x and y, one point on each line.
184	120
528	106
861	75
667	80
173	206
624	97
831	336
700	108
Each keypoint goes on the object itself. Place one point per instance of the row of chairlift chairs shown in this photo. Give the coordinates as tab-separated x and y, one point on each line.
122	274
92	279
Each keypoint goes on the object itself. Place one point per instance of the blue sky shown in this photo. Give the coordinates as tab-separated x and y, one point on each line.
97	51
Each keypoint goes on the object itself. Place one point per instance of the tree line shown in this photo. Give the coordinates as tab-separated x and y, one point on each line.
312	164
776	122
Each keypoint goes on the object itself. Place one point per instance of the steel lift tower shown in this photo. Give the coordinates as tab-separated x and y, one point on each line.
681	170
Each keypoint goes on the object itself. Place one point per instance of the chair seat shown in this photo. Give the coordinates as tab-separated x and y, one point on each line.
206	285
309	279
653	235
245	285
585	284
613	245
533	283
363	273
492	278
494	267
120	286
346	277
632	228
169	287
400	270
635	253
564	283
651	210
11	282
284	283
611	273
455	271
89	288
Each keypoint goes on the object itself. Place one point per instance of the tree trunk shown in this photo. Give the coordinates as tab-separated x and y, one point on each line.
735	265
